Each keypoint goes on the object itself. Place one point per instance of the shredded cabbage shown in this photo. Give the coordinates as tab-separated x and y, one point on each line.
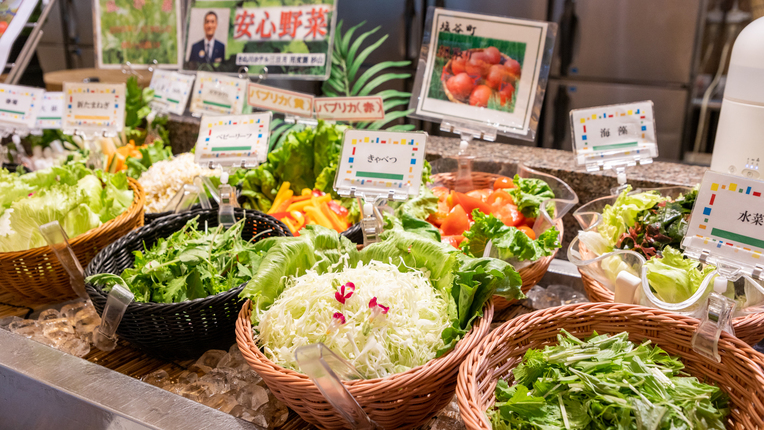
377	344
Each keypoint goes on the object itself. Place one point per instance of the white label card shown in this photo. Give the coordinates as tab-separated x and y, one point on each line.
624	130
19	105
171	90
230	139
98	108
51	109
728	218
350	108
218	94
279	100
377	162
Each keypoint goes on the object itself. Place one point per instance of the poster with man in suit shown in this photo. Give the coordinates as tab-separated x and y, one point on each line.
210	48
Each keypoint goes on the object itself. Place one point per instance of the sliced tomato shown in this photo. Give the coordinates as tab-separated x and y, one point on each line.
470	203
454	241
528	231
509	215
500	197
503	182
456	222
440	192
480	194
337	208
530	222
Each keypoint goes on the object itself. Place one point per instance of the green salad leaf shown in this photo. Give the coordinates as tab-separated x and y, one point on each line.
150	154
675	278
75	196
605	382
528	195
510	242
191	263
616	219
465	281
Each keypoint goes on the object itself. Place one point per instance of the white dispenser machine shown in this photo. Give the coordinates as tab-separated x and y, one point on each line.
739	144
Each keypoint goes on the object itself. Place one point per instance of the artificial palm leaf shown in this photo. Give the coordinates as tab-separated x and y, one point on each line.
345	82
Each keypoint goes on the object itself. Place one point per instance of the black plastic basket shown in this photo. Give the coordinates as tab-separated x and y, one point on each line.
185	330
149	218
354	233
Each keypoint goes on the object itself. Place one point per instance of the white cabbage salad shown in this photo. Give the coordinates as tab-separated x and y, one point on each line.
381	320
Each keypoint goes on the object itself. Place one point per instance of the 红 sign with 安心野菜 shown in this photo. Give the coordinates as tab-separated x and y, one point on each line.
292	41
380	164
233	140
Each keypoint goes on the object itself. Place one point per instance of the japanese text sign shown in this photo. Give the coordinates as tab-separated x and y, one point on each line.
376	163
276	99
293	39
51	108
218	94
19	105
171	90
728	218
98	108
230	140
350	108
609	132
306	22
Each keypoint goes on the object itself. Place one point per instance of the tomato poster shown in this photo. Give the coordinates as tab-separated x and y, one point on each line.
292	39
483	69
139	32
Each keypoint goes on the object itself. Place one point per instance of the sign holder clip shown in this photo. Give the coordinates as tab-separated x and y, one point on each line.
467	131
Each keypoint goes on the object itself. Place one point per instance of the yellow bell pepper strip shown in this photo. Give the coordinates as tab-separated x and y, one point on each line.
337	224
318	217
306	192
289	224
312	201
283	194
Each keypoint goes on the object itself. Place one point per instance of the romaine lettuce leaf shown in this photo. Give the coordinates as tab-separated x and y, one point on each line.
510	242
529	194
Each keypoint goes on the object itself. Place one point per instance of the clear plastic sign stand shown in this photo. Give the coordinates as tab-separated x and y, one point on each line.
104	336
379	166
725	230
327	370
614	137
229	142
480	76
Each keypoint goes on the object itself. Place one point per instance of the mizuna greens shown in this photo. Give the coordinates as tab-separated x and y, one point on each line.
191	263
465	283
78	198
605	382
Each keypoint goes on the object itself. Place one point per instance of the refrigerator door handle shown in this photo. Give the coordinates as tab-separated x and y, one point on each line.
568	27
560	116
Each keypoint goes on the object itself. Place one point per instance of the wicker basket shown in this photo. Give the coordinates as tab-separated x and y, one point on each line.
532	273
36	276
739	374
184	330
400	401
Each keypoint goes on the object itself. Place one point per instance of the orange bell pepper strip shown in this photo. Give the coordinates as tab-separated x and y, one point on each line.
311	201
337	224
283	194
316	215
